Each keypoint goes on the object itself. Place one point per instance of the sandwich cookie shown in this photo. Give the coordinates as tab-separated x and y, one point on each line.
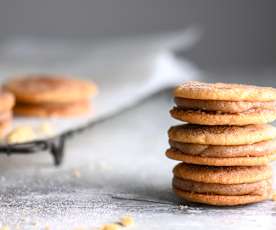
222	145
224	104
45	95
44	88
222	186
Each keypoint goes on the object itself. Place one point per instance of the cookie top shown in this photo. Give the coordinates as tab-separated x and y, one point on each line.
223	91
43	88
221	135
222	175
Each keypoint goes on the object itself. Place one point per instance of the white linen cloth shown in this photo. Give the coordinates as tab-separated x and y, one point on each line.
126	70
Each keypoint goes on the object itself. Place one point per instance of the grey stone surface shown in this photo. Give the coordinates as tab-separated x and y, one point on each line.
123	170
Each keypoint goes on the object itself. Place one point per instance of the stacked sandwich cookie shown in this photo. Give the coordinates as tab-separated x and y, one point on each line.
43	95
226	146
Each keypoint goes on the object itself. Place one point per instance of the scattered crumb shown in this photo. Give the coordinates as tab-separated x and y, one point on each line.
5	227
78	228
182	207
25	219
45	129
76	173
28	133
110	227
274	196
35	223
20	134
126	221
47	227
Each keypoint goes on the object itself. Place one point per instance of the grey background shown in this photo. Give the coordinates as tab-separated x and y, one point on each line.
236	34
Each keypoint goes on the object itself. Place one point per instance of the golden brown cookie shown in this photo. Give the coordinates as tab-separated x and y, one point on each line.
255	188
222	185
7	101
72	109
222	135
223	106
262	148
223	91
44	88
219	161
200	117
222	200
222	175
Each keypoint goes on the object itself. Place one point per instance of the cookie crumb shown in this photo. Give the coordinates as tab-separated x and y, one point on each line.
45	129
35	223
5	227
47	227
79	228
76	173
126	221
20	134
110	227
182	207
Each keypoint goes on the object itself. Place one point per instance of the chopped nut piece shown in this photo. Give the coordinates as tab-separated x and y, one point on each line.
110	227
126	221
21	134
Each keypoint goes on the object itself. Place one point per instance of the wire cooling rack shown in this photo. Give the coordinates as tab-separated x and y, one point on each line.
54	145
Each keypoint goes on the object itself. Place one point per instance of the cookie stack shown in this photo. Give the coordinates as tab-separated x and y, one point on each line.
44	95
227	146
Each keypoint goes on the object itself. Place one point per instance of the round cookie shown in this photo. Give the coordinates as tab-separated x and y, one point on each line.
222	175
262	148
223	91
43	88
221	200
255	188
53	110
223	106
219	161
200	117
222	135
7	101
